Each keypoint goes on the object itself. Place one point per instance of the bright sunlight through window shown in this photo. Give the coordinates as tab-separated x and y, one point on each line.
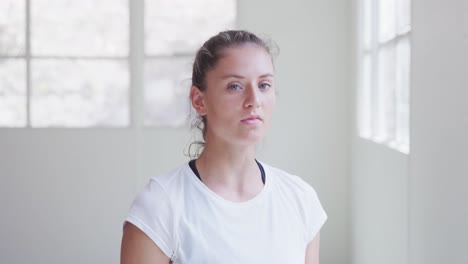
384	75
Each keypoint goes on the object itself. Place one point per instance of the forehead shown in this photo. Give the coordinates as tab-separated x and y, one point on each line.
246	60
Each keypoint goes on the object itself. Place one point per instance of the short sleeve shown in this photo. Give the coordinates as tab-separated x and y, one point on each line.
152	213
315	216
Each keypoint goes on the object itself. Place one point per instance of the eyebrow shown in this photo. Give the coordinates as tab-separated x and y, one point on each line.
242	77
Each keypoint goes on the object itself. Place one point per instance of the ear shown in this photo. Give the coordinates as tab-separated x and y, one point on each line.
198	100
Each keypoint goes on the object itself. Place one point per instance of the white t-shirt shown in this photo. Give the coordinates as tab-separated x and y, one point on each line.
192	224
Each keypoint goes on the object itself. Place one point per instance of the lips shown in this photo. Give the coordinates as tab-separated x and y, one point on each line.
252	120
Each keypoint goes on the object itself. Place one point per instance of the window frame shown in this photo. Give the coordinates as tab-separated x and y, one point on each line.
372	120
135	59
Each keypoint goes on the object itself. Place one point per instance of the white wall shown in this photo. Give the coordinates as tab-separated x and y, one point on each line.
439	159
379	204
64	193
378	190
410	209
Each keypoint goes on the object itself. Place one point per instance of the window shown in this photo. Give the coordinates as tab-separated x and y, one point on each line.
384	82
67	63
174	30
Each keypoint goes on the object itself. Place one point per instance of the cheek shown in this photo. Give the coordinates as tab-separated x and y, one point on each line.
221	109
271	102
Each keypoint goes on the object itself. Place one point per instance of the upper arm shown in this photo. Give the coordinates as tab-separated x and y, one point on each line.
138	248
312	251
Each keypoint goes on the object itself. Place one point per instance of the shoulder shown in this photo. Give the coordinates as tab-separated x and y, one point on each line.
162	185
172	177
297	191
154	210
289	181
300	195
173	182
171	187
159	192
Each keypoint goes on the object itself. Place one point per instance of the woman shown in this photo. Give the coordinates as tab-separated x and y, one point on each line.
225	206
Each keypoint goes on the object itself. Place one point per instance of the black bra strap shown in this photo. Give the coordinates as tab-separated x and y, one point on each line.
262	171
194	169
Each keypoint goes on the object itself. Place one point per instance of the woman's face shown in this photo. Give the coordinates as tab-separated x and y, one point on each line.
239	98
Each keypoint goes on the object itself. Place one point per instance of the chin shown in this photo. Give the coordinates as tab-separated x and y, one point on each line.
251	140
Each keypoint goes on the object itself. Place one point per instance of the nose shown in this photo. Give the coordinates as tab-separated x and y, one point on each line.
252	97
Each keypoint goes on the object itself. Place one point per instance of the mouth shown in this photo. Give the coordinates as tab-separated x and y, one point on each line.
252	120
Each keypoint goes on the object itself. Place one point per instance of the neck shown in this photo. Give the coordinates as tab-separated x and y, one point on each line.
229	169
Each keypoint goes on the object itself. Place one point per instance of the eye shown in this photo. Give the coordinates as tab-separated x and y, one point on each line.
234	86
264	86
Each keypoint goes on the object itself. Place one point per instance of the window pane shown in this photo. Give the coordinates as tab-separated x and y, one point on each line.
167	87
79	28
385	96
12	27
12	93
402	91
367	23
365	96
79	93
178	26
404	16
387	20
